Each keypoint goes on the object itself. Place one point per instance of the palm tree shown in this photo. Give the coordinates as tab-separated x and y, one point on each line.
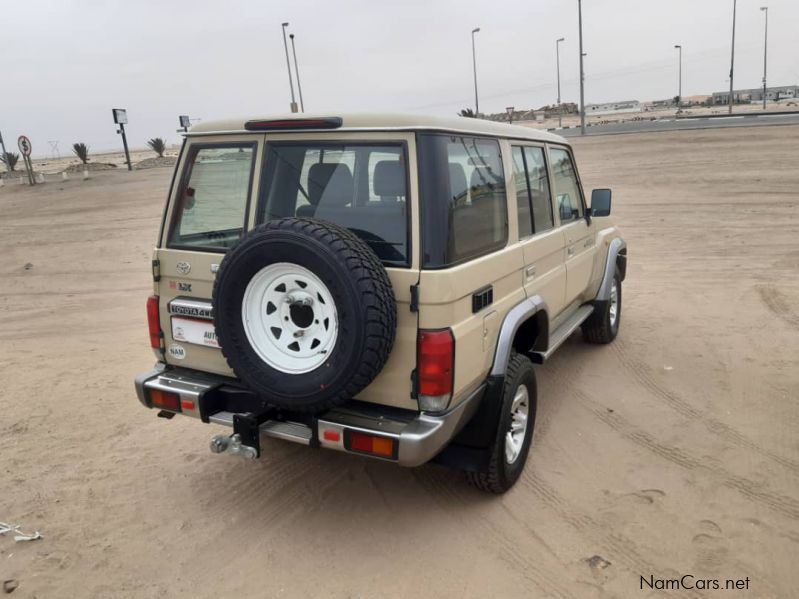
468	113
10	160
81	151
158	146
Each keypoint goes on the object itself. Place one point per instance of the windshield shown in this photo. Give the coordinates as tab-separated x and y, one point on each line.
362	187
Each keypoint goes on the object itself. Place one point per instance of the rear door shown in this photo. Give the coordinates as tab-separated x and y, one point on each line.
361	181
208	211
544	270
580	235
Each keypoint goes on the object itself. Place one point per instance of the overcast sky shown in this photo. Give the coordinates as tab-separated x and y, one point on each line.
67	63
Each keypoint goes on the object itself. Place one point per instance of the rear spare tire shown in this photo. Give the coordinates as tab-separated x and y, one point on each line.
304	313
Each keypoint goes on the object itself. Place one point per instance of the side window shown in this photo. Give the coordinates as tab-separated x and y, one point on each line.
522	194
567	190
211	205
478	209
539	188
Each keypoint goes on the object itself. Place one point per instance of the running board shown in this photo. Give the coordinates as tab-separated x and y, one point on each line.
562	333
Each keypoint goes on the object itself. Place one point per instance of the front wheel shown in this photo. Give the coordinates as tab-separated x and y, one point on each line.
515	430
603	325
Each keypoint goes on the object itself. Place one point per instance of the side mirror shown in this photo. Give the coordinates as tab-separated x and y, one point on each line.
600	202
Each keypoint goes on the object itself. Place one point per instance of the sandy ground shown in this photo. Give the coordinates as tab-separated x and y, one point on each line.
673	451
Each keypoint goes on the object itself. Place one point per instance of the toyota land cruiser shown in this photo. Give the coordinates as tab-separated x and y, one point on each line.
376	284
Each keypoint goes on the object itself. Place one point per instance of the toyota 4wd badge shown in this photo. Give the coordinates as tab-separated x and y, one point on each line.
183	268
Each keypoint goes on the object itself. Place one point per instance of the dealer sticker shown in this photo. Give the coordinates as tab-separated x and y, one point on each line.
177	351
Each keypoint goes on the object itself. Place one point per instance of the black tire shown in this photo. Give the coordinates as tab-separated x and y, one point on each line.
361	291
598	327
500	476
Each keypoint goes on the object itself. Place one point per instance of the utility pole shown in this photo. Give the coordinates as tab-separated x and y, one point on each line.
288	66
297	71
679	92
474	65
732	54
557	60
765	56
582	74
5	154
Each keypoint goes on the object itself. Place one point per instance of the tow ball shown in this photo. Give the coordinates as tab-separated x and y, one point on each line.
246	438
233	445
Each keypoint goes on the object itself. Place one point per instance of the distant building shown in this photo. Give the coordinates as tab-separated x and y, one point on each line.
756	95
614	107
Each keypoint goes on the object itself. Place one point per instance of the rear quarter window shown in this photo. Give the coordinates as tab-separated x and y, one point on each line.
463	197
211	204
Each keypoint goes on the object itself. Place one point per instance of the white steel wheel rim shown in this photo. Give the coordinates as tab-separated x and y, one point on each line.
520	412
289	318
614	304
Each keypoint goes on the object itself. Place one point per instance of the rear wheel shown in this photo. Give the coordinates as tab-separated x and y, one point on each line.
515	430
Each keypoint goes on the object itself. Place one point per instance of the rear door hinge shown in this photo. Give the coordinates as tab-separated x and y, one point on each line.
156	270
415	298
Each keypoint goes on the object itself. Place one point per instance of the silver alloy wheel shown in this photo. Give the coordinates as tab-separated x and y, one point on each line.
289	318
520	411
614	304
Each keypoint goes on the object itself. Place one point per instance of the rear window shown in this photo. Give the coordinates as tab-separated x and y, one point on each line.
464	206
362	187
211	204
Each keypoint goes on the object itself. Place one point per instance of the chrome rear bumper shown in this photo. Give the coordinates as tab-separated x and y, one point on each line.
418	437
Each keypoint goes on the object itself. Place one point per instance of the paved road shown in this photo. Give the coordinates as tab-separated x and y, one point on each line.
673	124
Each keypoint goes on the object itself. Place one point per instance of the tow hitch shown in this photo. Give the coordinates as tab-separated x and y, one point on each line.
233	446
246	438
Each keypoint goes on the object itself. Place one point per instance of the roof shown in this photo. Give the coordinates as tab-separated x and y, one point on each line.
390	122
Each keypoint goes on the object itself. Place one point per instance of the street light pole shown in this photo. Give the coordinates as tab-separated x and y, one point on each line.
297	71
474	65
679	93
288	66
765	56
582	74
732	54
557	59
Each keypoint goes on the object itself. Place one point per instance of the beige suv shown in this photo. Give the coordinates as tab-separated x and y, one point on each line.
376	284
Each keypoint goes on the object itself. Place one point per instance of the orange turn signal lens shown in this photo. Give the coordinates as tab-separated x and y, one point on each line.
380	446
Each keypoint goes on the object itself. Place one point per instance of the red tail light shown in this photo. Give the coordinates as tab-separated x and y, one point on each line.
381	446
153	323
165	400
435	368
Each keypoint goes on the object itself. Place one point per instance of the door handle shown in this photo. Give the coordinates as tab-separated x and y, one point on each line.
530	271
570	251
588	243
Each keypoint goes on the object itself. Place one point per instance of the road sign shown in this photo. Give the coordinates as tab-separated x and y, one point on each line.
24	145
120	116
121	119
25	148
510	110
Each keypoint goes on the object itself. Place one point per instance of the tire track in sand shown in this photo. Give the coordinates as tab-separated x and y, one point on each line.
439	485
643	374
778	304
748	488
